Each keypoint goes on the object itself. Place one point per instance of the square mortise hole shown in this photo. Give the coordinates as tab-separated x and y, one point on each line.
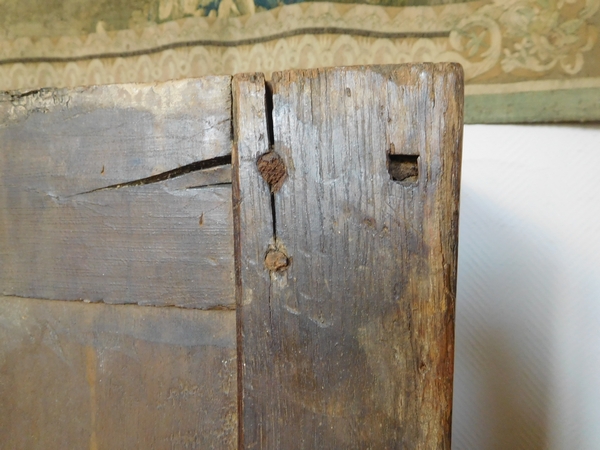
404	168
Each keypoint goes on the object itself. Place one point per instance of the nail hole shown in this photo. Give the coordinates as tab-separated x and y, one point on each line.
404	168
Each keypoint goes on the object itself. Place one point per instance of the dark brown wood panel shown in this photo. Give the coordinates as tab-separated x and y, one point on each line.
76	375
348	321
118	194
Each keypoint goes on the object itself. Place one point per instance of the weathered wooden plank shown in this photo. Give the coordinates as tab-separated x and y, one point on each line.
118	194
349	341
253	231
66	141
75	375
147	244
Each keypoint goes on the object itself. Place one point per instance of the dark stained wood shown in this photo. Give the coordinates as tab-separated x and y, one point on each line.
350	344
75	376
94	204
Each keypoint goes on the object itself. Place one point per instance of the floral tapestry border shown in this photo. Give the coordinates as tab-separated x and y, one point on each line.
524	60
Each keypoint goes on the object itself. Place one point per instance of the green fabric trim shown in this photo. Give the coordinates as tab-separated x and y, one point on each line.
569	105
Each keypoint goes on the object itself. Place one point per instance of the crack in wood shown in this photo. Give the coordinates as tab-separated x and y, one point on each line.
101	301
201	186
17	95
170	174
270	165
269	113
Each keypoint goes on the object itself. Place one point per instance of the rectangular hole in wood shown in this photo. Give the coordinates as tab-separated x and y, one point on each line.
404	168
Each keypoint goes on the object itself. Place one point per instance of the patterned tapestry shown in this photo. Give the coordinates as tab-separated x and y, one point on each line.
524	60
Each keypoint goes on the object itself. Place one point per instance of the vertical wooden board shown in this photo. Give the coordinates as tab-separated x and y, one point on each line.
74	375
253	233
356	344
118	194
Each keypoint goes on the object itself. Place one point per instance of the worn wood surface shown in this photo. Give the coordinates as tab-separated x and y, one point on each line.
253	234
346	305
118	194
75	376
341	207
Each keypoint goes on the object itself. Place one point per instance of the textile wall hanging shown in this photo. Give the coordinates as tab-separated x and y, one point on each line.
524	60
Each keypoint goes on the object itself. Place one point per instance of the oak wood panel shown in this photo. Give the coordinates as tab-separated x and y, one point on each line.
348	340
75	375
118	194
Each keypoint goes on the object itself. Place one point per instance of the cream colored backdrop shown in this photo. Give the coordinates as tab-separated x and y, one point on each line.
527	364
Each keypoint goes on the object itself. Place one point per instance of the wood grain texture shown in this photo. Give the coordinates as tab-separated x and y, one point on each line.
253	234
351	346
88	138
95	205
75	375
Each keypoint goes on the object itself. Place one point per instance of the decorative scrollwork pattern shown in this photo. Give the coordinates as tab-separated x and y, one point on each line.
524	39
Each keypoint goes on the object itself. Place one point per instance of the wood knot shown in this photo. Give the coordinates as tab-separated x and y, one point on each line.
272	169
276	261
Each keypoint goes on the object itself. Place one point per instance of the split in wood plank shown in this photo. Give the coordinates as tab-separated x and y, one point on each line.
118	194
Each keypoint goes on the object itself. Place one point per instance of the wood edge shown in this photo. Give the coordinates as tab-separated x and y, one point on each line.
5	95
17	105
236	81
451	82
235	204
383	69
216	306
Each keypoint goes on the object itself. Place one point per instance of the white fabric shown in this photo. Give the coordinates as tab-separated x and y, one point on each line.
527	362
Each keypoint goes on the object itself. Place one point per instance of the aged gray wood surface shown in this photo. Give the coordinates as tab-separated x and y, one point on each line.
346	308
341	207
118	194
253	234
76	375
